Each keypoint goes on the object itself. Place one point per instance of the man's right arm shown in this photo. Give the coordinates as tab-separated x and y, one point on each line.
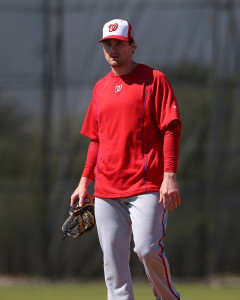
87	175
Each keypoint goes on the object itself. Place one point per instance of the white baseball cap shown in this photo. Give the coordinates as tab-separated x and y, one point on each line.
117	29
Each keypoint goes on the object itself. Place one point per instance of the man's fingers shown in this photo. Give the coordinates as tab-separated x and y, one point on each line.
175	201
164	200
161	198
73	199
178	199
170	201
82	197
78	195
81	201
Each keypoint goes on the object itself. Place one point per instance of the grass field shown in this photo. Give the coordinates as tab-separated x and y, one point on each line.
97	291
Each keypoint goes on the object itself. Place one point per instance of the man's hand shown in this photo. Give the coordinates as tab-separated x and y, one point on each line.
169	192
80	192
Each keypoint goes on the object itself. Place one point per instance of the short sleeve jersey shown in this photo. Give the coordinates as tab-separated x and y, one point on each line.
128	115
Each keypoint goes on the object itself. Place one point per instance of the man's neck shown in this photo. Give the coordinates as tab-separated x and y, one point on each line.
119	71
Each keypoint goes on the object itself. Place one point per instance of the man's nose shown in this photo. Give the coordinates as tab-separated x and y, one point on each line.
113	48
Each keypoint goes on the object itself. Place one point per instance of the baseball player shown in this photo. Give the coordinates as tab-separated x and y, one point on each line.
134	125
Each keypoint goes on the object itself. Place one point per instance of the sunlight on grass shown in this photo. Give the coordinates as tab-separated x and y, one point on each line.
93	291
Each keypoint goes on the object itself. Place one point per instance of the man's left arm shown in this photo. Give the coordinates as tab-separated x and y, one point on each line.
169	191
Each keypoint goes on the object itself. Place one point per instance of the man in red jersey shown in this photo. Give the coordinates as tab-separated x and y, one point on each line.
134	125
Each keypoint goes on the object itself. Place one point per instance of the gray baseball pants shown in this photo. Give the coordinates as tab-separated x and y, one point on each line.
145	218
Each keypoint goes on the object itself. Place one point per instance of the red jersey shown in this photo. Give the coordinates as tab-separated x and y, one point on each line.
128	115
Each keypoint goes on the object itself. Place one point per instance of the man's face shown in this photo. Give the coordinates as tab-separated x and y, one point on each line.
118	53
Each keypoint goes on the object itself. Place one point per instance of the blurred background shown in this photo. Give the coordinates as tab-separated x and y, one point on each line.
50	60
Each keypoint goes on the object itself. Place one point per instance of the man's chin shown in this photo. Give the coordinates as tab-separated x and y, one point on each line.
114	63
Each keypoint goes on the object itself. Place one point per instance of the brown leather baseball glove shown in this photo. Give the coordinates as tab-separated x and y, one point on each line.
81	219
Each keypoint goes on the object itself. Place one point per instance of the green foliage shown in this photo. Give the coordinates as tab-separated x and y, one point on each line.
20	155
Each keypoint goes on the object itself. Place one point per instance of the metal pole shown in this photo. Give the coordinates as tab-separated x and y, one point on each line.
48	84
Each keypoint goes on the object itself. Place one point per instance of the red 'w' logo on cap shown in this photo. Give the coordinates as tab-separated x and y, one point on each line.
113	27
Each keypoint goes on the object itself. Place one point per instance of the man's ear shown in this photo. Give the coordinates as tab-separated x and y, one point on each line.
134	46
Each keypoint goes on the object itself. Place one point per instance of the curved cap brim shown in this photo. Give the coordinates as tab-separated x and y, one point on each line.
116	37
